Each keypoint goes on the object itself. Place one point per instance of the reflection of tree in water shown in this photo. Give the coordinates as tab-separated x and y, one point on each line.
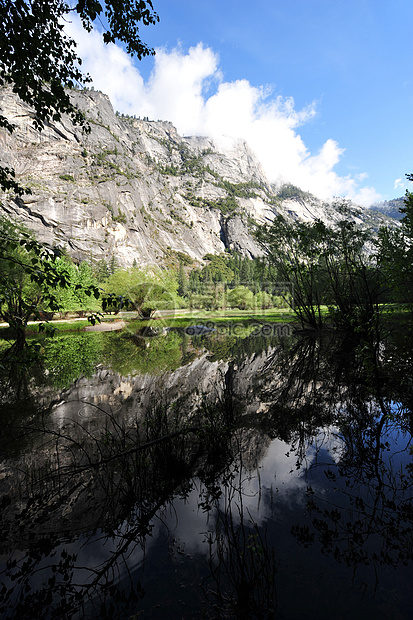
127	473
115	481
145	351
114	484
26	381
350	389
225	346
19	403
55	362
243	565
69	357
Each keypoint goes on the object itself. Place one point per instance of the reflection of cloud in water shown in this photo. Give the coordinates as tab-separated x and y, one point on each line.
187	521
275	486
330	440
269	493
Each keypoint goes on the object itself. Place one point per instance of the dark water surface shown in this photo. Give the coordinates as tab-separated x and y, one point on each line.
158	474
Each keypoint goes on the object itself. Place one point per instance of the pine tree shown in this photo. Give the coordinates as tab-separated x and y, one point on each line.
182	281
113	265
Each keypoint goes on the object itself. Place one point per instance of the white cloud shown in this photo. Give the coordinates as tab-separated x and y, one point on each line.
175	88
111	68
402	185
179	90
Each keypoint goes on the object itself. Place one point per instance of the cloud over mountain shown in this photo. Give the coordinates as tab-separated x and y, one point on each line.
188	89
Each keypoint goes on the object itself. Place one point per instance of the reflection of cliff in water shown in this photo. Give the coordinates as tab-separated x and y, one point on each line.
204	379
107	413
225	474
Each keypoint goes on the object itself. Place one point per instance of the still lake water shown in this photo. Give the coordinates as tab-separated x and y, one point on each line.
226	474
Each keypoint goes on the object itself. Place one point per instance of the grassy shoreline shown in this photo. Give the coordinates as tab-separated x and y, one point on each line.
184	318
180	318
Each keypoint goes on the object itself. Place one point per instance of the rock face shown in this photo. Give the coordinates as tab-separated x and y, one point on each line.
391	208
137	190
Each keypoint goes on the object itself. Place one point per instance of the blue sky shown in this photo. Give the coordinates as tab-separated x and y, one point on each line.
322	90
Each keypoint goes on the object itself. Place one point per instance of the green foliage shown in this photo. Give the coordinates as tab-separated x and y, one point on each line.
227	205
20	290
176	216
191	164
241	190
182	281
40	62
291	192
264	301
395	254
132	353
168	170
145	290
106	159
197	201
327	266
120	217
101	271
241	297
233	269
31	278
217	270
113	265
407	211
74	297
174	258
210	287
395	257
67	358
295	249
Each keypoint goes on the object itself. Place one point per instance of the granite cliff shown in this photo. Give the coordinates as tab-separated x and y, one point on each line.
137	190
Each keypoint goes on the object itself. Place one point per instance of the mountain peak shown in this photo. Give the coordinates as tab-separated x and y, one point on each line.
135	189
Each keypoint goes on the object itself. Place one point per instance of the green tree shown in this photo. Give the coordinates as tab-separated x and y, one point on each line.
195	282
182	281
354	278
295	250
20	294
246	271
113	265
395	254
241	297
74	297
327	266
263	300
217	270
145	290
30	275
102	271
396	261
39	61
407	210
